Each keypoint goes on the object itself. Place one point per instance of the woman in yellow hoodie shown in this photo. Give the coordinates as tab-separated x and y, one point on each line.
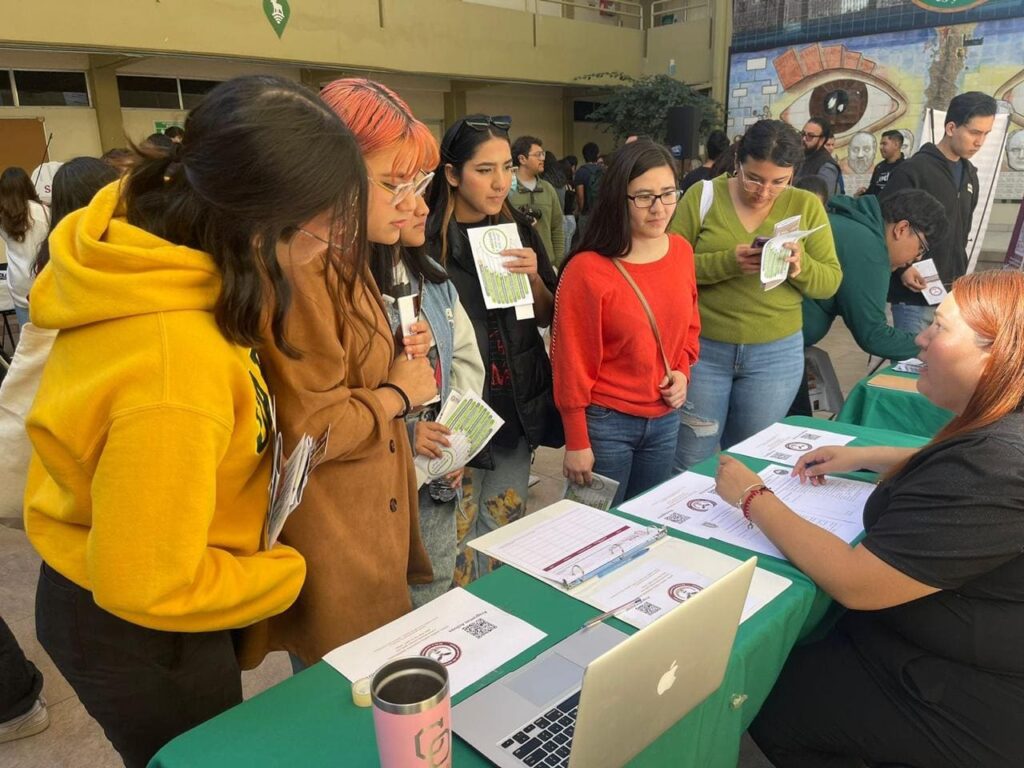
147	491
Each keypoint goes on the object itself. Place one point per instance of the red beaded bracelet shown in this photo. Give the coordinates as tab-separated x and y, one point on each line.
745	507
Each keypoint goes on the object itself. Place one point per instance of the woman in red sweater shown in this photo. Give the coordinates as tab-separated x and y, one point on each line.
616	387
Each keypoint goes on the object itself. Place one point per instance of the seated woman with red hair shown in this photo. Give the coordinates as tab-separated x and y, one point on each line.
926	667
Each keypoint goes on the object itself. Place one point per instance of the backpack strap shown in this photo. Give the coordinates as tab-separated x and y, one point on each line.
707	197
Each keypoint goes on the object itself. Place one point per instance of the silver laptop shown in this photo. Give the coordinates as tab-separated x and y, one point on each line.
600	696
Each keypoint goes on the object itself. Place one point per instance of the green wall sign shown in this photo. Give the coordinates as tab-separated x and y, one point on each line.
948	6
277	12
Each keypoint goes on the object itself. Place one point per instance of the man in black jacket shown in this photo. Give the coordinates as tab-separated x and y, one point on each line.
944	170
817	159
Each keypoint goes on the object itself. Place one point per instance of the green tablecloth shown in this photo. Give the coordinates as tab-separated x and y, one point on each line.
309	719
909	412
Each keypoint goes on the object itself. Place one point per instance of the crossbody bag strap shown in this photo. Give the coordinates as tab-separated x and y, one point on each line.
650	314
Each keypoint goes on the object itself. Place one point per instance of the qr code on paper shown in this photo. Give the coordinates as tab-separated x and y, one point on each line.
479	628
676	517
780	455
648	607
809	436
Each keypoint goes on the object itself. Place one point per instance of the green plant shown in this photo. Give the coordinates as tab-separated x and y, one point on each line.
640	105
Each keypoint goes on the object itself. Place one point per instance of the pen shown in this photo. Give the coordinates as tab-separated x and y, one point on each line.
608	614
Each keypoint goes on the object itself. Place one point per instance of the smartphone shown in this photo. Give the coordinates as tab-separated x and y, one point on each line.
759	242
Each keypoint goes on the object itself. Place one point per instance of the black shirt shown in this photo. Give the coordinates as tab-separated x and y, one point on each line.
880	176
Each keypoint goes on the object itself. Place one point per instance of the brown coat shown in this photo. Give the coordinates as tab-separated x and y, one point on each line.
358	523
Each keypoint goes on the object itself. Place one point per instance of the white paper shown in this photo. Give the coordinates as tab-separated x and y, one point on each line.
910	365
785	444
500	287
472	423
676	502
774	267
672	572
934	291
566	542
469	636
599	494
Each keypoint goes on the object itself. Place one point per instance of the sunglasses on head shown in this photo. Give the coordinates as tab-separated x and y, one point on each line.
501	122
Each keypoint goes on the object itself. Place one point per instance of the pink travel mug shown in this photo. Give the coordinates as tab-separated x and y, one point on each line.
412	714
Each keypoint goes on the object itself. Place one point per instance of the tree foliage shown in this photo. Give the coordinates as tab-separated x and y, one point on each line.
640	105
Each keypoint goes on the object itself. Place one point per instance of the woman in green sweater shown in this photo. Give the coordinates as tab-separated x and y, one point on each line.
751	359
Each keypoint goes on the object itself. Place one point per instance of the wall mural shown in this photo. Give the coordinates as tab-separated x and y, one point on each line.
869	84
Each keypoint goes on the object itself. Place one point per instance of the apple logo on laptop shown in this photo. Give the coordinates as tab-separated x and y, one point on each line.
667	680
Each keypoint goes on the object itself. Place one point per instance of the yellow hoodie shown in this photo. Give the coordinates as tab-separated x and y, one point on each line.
148	482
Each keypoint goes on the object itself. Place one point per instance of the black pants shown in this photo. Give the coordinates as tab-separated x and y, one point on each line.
143	686
20	681
830	708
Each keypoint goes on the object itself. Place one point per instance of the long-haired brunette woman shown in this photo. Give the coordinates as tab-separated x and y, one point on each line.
24	223
470	189
147	492
618	381
358	526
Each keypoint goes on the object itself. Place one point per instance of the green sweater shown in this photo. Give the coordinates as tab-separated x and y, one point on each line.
860	242
734	308
549	225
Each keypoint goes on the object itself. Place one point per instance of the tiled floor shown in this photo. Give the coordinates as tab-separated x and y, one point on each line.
75	741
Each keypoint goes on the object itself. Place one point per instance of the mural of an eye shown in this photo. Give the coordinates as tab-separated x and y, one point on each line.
1012	92
842	85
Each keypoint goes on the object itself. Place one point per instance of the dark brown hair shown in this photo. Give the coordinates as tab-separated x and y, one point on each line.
260	156
16	191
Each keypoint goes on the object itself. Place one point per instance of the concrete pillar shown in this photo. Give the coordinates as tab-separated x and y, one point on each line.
721	39
102	76
454	104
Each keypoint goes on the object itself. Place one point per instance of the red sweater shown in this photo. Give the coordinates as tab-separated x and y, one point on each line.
603	350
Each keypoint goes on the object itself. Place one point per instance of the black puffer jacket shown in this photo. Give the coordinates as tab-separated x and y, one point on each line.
528	360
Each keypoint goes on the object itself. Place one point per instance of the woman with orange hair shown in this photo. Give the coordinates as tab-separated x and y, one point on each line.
925	668
358	524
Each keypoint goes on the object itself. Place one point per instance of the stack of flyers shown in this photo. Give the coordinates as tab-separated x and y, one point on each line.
288	478
774	267
472	424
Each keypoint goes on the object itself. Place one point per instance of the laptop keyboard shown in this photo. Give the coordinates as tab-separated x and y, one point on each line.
546	741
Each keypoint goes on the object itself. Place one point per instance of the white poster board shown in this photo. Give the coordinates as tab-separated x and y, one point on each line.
987	161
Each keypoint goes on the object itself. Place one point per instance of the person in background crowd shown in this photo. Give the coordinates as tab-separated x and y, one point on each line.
404	270
617	400
556	175
22	708
358	526
830	146
716	144
24	223
587	183
924	667
816	185
817	160
892	155
470	189
751	348
945	171
536	198
569	209
120	159
147	489
175	133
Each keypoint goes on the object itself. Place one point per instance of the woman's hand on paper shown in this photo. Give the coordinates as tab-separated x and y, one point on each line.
733	478
577	466
673	389
796	253
749	259
430	438
418	343
521	260
831	459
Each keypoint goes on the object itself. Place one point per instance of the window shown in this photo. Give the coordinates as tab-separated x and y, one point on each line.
6	92
192	91
51	89
581	110
148	92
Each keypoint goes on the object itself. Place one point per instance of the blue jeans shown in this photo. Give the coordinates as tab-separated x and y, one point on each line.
22	314
635	451
912	317
440	539
736	390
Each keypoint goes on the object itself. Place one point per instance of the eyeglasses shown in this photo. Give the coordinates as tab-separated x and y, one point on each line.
536	155
400	192
646	199
772	187
922	243
337	244
806	135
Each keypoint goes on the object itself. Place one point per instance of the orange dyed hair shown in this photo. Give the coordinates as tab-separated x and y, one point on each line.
381	120
992	304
